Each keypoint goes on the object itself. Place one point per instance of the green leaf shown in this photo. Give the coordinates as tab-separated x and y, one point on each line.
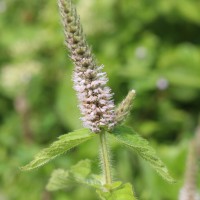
80	173
62	145
129	138
123	192
59	180
82	169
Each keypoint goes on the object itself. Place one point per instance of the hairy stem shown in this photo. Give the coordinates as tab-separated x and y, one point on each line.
105	158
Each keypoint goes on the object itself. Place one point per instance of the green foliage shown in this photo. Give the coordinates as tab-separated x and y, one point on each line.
82	169
122	192
130	139
61	146
81	173
139	42
59	180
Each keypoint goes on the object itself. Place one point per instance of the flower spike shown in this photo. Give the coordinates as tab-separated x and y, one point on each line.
95	98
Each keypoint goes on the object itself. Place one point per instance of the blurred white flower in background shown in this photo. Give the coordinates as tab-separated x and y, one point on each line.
23	48
15	77
141	52
3	6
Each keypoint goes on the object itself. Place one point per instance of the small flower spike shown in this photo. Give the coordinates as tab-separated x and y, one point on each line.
124	108
189	190
95	98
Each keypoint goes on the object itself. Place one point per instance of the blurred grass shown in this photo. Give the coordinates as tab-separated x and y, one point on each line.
150	46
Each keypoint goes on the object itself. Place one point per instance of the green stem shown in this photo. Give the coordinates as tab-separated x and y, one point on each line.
105	158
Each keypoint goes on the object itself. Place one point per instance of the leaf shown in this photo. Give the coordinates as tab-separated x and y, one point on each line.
62	145
59	180
82	169
129	138
80	173
124	192
113	185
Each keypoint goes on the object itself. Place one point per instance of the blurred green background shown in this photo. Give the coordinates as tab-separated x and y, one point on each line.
150	46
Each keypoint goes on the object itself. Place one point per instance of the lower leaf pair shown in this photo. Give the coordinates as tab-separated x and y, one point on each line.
82	171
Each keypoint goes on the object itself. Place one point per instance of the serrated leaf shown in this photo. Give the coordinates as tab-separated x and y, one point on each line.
80	173
82	169
59	180
91	181
129	138
124	192
62	145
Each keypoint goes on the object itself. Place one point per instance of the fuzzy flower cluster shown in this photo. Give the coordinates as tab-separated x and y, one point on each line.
95	98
